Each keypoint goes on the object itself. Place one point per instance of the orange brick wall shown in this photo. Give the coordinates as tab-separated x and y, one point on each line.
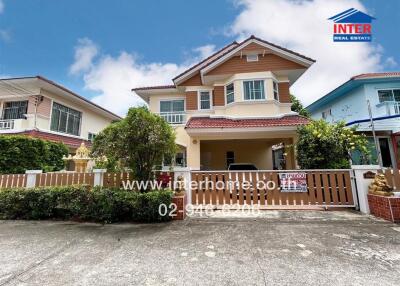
191	100
387	208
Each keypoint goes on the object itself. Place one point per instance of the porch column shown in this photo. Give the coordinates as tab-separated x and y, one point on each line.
294	142
193	154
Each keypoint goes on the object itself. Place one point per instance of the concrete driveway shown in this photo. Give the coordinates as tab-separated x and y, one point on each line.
285	248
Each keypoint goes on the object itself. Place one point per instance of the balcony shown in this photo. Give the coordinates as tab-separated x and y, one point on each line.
7	124
388	108
173	117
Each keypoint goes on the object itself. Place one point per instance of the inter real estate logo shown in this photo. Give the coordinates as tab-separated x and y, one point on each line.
352	26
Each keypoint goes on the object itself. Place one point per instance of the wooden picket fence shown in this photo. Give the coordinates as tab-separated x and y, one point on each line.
115	179
393	178
324	188
12	181
64	179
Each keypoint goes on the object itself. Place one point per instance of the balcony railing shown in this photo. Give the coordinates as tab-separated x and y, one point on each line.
7	124
388	108
174	117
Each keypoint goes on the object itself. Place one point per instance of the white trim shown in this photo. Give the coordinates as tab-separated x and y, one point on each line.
199	87
264	89
252	60
225	95
277	90
210	93
171	99
250	117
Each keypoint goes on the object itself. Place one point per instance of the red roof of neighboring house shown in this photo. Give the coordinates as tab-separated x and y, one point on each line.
209	122
69	141
376	75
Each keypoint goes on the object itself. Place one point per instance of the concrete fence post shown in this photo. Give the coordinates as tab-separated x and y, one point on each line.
185	173
364	174
31	178
98	177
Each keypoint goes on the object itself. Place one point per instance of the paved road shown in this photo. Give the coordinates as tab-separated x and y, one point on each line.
284	248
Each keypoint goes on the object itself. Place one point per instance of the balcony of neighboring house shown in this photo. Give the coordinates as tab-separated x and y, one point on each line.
388	108
13	115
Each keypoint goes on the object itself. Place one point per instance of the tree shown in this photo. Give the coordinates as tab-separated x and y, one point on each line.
297	106
140	141
327	146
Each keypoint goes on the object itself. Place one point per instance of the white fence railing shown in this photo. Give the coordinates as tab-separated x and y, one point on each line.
7	124
173	117
389	108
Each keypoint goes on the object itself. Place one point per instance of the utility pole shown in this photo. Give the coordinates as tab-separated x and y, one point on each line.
378	149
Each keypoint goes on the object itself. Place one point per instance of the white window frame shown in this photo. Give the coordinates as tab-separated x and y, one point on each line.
274	82
68	106
173	99
250	59
386	89
226	95
264	88
199	99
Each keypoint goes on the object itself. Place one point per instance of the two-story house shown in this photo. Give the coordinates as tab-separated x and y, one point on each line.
234	107
38	107
349	102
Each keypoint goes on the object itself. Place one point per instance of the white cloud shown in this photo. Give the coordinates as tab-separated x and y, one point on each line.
114	77
390	62
205	51
303	27
85	52
1	6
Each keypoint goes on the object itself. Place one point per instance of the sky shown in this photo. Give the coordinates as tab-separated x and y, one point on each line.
102	49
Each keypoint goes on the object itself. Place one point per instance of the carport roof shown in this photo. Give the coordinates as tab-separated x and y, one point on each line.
222	122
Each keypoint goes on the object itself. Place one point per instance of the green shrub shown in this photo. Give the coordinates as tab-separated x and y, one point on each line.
327	146
21	153
81	203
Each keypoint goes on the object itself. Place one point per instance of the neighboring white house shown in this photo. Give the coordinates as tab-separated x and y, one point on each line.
348	102
38	107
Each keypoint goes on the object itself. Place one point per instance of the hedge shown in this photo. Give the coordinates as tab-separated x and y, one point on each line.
83	204
20	153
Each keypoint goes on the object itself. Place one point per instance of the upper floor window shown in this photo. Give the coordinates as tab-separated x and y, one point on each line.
253	90
173	110
230	93
65	119
15	109
276	90
389	95
205	100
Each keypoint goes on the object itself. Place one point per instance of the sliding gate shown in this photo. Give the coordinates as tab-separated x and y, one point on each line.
326	188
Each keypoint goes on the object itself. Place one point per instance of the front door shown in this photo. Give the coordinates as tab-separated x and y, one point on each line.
385	152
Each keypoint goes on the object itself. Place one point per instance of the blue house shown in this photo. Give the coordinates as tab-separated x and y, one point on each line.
349	103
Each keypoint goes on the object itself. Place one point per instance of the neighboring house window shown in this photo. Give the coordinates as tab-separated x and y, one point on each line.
252	58
173	110
324	115
230	93
205	100
65	119
15	109
389	95
254	90
91	136
276	90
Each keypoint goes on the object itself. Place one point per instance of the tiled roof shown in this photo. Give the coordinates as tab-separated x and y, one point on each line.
376	75
66	90
69	141
209	122
153	87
